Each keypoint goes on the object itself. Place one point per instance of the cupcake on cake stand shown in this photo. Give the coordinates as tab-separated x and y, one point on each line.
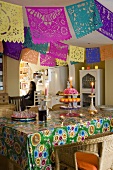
70	98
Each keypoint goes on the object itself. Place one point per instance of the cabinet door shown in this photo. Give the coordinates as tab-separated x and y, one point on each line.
86	77
2	73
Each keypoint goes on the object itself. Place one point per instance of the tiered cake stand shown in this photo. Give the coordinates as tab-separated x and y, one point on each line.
72	104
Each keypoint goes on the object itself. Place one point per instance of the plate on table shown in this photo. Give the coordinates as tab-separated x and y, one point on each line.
24	116
24	119
62	115
70	108
106	108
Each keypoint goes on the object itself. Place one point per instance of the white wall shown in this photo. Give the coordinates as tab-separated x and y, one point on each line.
12	77
35	68
109	82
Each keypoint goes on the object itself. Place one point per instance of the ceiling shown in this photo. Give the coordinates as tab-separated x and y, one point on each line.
94	39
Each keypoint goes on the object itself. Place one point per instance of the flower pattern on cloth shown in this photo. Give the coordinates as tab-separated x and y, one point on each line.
29	55
92	55
99	123
84	17
82	135
76	54
1	47
41	155
72	130
47	60
106	52
12	49
59	50
35	139
91	129
107	20
11	22
42	48
48	24
106	127
60	137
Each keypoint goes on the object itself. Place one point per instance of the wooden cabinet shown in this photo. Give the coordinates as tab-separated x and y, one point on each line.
86	77
3	67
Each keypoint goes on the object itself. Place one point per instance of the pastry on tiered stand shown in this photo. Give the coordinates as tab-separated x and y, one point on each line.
70	92
70	97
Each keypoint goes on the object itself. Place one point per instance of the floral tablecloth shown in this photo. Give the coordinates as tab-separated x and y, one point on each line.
31	145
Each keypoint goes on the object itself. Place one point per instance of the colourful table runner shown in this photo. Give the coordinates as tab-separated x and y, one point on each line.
31	145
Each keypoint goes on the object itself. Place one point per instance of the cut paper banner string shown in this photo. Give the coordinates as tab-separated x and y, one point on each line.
106	52
11	22
107	20
92	55
1	47
29	55
42	48
48	24
47	60
12	49
84	17
76	54
59	50
61	62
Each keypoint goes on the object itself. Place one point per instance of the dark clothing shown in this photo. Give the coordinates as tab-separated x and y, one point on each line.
27	100
30	96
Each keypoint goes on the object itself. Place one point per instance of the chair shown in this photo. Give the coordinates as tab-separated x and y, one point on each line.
100	147
16	100
37	97
37	101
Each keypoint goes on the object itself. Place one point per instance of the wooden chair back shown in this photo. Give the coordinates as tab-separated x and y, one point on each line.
16	100
37	97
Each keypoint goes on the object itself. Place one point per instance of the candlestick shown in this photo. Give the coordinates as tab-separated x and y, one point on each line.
92	110
92	84
70	82
46	89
